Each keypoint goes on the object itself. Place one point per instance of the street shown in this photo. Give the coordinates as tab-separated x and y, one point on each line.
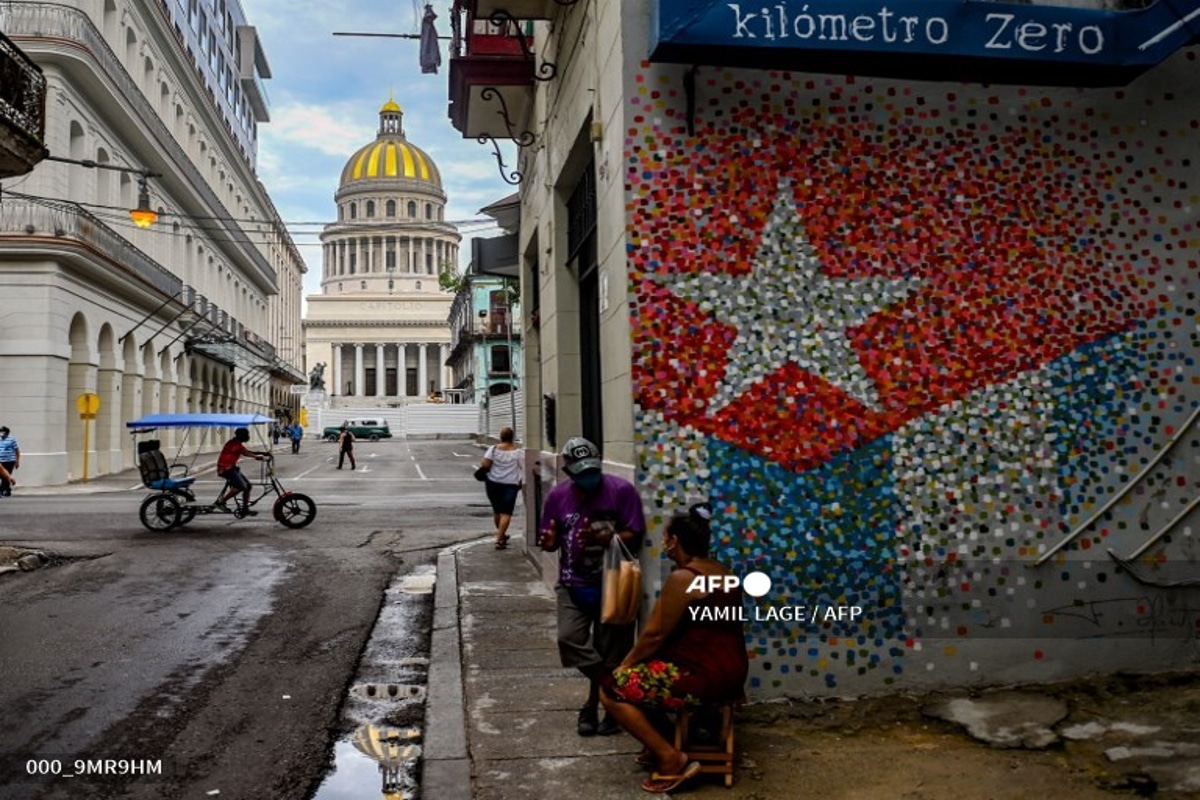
219	653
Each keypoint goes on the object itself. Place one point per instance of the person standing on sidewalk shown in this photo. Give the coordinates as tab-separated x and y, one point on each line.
296	434
10	459
579	519
346	447
505	463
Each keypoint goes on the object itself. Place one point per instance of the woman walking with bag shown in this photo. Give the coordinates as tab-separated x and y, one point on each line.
505	465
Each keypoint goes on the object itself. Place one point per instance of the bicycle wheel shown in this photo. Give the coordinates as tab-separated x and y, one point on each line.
294	510
186	515
160	512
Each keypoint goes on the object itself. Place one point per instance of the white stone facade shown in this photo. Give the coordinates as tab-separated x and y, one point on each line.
181	316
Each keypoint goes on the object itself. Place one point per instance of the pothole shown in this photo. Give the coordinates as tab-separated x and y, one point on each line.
22	559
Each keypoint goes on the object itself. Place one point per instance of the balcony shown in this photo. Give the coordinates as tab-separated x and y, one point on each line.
38	228
492	74
521	9
22	111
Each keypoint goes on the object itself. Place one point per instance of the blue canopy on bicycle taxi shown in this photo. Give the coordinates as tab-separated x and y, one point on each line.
199	421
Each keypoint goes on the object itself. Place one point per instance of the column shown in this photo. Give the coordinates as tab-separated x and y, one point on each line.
358	370
422	379
380	371
335	371
443	354
402	369
412	256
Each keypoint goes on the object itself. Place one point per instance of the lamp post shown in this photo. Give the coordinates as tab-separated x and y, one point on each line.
143	216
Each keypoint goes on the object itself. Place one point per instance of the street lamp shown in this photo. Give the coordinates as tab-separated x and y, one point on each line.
143	216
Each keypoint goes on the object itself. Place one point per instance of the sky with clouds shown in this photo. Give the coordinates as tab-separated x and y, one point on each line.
325	92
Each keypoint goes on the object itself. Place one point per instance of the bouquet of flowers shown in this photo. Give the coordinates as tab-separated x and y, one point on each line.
651	683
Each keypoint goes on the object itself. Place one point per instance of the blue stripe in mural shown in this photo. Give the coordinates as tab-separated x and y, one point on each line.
827	539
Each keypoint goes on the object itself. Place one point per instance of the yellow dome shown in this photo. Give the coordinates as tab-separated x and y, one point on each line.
391	155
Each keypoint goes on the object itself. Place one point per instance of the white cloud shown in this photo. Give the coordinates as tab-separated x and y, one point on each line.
332	129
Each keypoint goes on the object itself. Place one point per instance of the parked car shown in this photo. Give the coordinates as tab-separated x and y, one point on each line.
368	428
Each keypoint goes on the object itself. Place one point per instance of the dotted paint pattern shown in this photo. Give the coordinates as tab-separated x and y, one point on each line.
905	336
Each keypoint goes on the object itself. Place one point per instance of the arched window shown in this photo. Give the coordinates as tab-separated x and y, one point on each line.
362	284
354	211
429	211
370	208
412	209
418	286
391	208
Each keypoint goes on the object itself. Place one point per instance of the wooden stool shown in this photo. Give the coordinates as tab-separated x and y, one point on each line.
715	758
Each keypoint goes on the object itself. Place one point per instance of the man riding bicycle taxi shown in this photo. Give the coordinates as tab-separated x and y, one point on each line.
227	468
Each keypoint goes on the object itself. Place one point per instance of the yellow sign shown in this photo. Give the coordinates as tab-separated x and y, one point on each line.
88	403
304	418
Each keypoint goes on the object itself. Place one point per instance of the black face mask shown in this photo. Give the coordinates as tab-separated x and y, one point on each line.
588	482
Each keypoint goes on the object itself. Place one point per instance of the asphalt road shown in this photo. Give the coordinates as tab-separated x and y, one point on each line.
223	650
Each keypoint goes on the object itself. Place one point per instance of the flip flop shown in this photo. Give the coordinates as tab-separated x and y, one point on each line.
502	544
661	784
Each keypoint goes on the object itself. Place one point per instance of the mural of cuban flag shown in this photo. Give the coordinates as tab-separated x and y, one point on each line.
907	335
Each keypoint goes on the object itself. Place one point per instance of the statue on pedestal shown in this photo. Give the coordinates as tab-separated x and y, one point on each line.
316	378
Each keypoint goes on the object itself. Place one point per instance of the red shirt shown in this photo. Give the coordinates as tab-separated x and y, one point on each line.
230	453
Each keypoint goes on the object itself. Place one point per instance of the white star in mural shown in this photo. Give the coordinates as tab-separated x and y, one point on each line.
788	310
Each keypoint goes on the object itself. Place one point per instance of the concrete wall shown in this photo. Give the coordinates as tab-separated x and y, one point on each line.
906	336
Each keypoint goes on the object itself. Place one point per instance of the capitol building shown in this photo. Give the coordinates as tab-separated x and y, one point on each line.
378	331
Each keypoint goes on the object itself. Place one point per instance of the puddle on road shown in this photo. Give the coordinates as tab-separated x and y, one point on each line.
374	761
385	706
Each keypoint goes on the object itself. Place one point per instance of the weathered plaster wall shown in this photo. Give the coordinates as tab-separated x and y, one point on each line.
906	336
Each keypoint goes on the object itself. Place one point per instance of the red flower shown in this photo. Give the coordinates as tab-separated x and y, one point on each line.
633	693
657	667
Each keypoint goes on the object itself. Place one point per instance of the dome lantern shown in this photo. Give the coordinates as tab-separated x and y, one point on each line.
391	119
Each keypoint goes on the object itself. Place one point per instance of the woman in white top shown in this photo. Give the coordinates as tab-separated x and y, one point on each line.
505	463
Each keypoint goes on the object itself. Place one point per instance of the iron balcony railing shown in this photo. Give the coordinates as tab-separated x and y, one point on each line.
22	92
60	23
23	219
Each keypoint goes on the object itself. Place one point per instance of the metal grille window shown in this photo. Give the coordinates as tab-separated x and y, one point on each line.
584	261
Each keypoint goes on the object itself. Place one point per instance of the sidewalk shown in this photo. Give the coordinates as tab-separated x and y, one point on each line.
500	723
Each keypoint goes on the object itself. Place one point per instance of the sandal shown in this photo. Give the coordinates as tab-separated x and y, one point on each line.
644	759
502	544
661	784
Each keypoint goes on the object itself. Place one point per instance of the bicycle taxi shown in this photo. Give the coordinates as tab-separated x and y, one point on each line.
173	503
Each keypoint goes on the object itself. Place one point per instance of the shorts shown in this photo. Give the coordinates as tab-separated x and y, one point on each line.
502	496
234	477
583	640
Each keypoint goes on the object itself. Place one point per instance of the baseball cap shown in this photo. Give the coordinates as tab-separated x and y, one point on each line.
580	455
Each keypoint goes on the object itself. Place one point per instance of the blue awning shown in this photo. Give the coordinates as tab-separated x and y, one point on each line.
996	42
199	421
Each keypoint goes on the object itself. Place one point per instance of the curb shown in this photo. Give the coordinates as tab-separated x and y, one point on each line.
445	767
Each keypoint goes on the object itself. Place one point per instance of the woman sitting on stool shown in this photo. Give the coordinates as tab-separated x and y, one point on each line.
691	652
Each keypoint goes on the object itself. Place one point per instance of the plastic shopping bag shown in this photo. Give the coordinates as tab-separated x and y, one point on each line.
621	590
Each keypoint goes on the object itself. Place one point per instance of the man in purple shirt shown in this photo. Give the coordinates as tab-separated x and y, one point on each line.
579	520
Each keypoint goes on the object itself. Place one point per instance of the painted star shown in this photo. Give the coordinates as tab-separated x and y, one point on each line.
788	310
